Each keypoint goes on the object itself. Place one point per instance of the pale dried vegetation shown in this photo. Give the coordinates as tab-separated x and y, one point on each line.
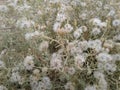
60	45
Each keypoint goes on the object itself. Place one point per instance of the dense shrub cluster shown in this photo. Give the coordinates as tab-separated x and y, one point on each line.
60	45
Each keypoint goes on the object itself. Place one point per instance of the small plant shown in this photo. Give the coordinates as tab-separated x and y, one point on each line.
60	45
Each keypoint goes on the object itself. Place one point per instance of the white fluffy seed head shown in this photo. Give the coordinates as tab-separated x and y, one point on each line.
30	35
61	17
29	63
103	25
76	34
116	22
90	87
43	46
95	31
15	77
95	44
110	67
116	38
56	61
79	60
2	64
24	23
3	8
56	26
83	45
95	21
104	57
69	86
71	71
98	75
68	27
3	87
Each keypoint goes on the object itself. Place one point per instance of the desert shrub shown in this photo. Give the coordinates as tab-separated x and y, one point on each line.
60	45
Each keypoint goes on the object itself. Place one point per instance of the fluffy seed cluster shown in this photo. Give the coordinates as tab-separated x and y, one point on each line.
29	63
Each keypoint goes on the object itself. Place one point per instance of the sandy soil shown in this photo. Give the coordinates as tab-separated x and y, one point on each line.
2	2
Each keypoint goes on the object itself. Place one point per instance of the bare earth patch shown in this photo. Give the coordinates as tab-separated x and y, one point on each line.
2	2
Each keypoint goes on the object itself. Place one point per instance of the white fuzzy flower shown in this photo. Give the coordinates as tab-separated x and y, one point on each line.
105	50
90	87
24	23
68	27
54	1
61	17
3	8
29	63
110	67
83	4
83	16
15	77
76	34
98	75
80	30
83	45
103	25
95	21
36	33
12	3
47	82
69	86
40	86
56	26
116	57
3	87
96	31
33	84
3	52
95	44
102	84
73	48
56	61
100	66
44	84
104	57
44	46
71	71
2	64
79	60
116	22
30	35
24	7
117	37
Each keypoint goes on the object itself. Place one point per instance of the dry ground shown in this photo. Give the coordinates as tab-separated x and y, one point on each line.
2	2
